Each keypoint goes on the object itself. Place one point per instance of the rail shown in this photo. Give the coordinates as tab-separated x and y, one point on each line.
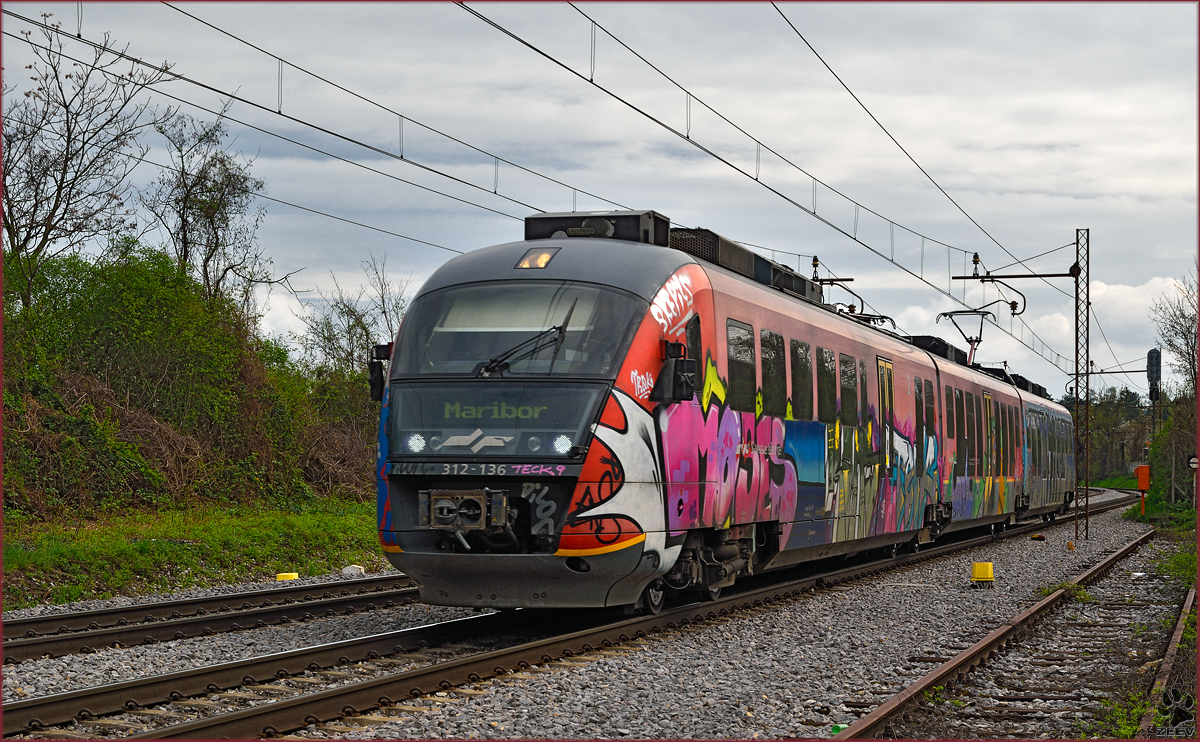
873	723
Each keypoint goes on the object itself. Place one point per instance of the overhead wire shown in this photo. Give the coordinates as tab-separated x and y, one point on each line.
267	109
866	303
1096	319
392	111
718	114
226	116
438	172
405	117
758	142
1035	257
913	160
256	194
684	136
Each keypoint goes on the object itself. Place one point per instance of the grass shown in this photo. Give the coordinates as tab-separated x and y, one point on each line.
1179	565
144	552
1117	481
1074	592
1119	718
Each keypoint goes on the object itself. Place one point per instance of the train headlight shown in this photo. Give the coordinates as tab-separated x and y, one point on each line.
416	443
534	443
561	444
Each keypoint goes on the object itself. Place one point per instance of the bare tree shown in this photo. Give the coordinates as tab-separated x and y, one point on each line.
205	202
337	331
70	144
342	327
387	298
1176	317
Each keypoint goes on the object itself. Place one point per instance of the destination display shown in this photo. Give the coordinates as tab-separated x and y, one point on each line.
500	417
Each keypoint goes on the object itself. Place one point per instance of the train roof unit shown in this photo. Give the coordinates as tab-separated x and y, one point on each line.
651	228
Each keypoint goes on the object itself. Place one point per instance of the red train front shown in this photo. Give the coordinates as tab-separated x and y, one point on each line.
610	411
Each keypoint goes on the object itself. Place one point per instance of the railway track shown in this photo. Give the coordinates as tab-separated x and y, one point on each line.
86	631
370	678
1033	677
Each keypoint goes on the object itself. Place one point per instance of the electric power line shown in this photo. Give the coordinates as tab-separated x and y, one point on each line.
281	137
754	177
905	151
382	107
1110	350
1035	257
495	192
691	96
255	194
232	96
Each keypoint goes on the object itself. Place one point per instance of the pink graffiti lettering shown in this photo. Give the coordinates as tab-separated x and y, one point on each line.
539	470
725	467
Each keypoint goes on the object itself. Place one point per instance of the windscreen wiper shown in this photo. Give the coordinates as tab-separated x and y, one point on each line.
562	335
499	363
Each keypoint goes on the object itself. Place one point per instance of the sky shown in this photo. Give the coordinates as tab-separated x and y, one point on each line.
1037	119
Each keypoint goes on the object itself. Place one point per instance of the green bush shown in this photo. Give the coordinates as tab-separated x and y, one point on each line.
127	386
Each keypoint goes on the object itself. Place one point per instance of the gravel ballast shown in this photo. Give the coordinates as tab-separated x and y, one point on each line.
784	671
70	672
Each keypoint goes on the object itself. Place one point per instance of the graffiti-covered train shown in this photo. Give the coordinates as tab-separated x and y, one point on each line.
613	410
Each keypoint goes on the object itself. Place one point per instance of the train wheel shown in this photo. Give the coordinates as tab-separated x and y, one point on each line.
893	551
653	597
710	593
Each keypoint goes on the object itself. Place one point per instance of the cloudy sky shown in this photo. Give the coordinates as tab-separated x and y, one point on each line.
1037	118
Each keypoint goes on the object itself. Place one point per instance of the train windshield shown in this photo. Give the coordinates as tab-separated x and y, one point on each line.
517	328
506	418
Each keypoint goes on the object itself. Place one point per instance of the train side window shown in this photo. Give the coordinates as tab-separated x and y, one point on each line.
1035	440
849	377
960	442
997	441
1058	458
919	424
989	430
774	374
695	351
980	441
930	409
949	412
972	441
863	405
1052	430
826	385
1014	439
741	365
1002	459
802	382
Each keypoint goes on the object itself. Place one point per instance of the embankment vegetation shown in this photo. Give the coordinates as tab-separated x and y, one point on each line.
154	435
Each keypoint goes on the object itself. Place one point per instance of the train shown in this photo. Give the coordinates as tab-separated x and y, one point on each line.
612	411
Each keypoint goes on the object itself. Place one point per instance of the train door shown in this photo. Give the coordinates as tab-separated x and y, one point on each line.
887	406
